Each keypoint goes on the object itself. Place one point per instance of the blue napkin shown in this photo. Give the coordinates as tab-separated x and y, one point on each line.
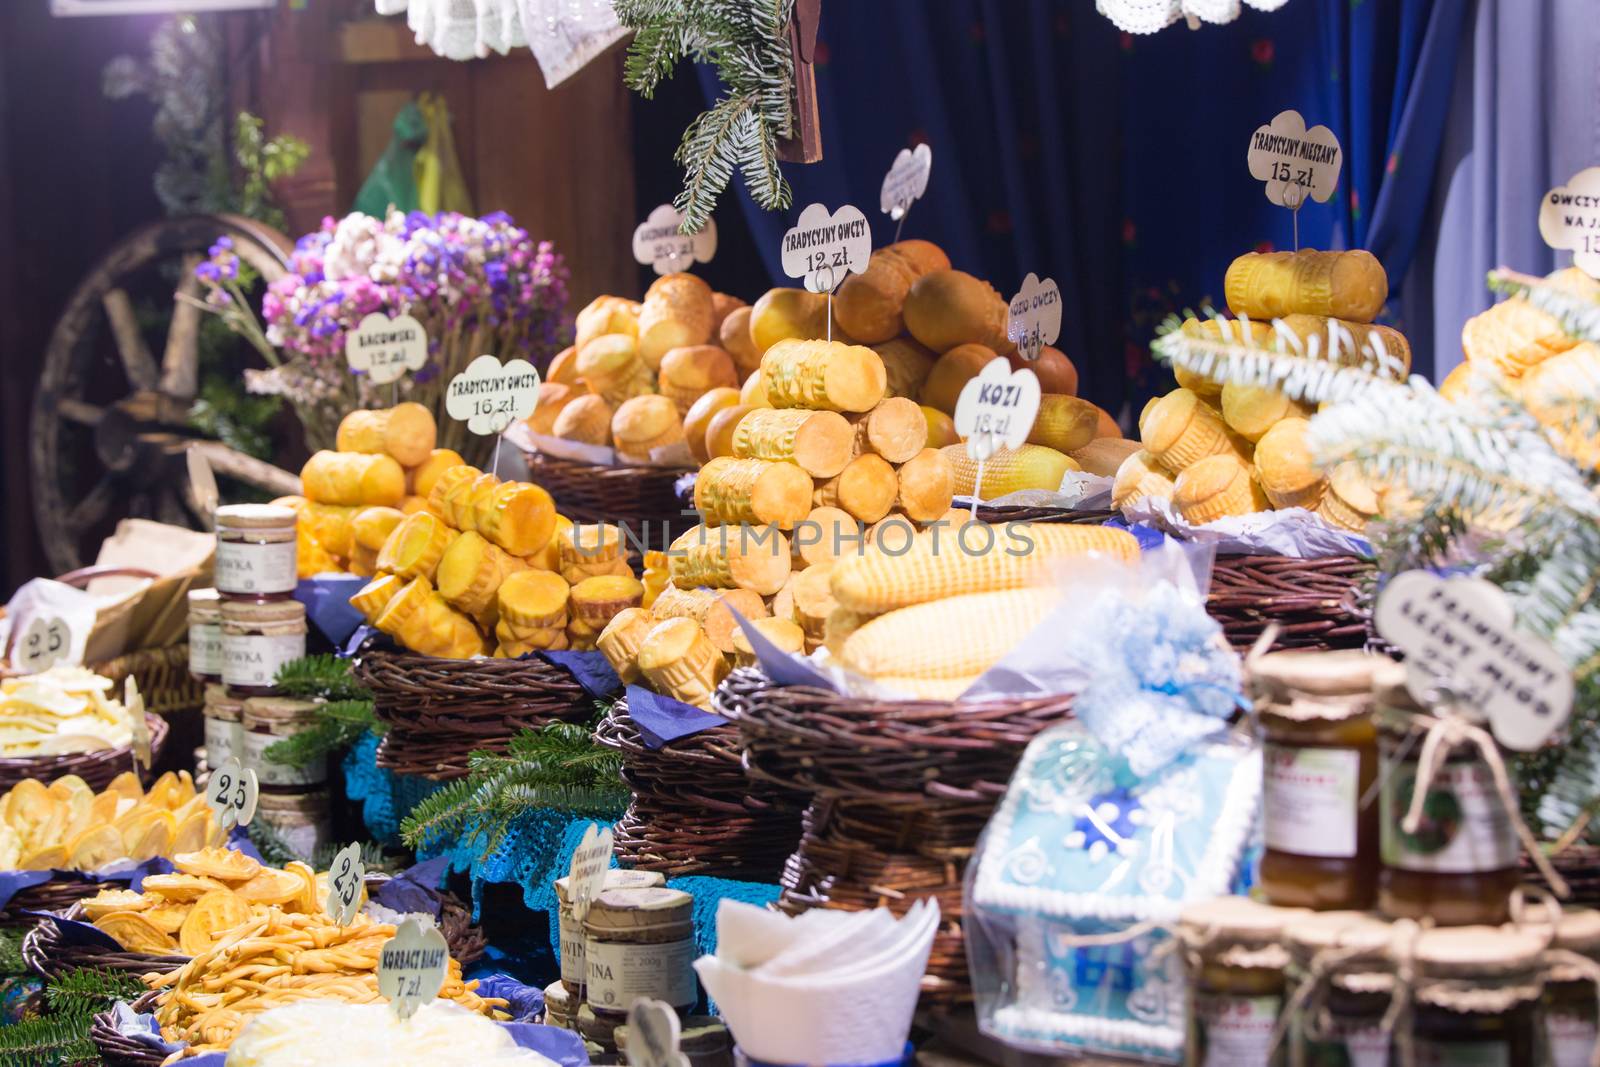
661	719
74	932
1148	536
328	607
591	669
14	882
784	668
412	890
551	1042
357	638
524	1002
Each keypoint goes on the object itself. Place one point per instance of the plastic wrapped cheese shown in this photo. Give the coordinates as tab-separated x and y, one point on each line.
370	1035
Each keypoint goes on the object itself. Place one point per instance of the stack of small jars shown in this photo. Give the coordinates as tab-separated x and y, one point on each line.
240	635
1378	938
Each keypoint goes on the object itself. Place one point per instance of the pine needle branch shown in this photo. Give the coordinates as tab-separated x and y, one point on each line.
340	723
1574	301
324	677
85	990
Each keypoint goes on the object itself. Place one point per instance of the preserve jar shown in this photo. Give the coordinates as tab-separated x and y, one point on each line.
256	550
259	637
598	1028
570	929
205	635
1236	962
1345	955
224	726
638	943
303	820
268	720
1319	758
559	1006
1570	1009
1476	995
1461	864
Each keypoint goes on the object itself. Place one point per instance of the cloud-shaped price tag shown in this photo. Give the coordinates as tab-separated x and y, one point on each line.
411	966
384	349
1034	318
996	409
906	181
488	397
345	876
1295	162
45	641
658	244
653	1035
1569	217
823	249
586	875
1460	635
232	793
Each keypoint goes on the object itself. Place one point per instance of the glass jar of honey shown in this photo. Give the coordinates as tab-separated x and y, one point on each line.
1346	957
1476	996
1319	758
1236	960
1569	1006
1460	863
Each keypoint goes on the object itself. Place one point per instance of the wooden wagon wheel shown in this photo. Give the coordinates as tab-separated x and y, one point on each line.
110	422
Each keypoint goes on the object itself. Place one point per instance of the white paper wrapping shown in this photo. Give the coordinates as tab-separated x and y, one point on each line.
1293	532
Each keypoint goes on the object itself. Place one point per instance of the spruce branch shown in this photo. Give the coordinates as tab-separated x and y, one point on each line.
324	677
85	990
340	723
1573	301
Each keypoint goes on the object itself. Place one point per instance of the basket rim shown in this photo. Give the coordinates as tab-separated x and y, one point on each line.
156	724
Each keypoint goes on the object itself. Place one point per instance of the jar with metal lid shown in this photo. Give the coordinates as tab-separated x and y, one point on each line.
639	943
224	726
268	720
1571	1017
702	1038
1475	996
256	550
303	820
1459	865
205	634
258	637
573	966
1319	758
1236	962
1345	957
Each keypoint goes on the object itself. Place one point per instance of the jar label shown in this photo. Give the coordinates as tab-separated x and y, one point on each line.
1571	1038
1462	1053
205	649
251	661
244	567
1235	1031
1464	827
224	739
1310	799
572	957
270	773
302	838
620	973
1368	1047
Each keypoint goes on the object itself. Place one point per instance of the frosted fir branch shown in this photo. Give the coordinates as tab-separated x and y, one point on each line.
1578	313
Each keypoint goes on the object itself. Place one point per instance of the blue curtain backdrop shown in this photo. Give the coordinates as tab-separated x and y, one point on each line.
1116	164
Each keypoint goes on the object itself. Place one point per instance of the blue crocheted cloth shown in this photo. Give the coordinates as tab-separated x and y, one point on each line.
386	798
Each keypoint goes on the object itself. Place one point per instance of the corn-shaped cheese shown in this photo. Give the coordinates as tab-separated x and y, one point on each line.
784	634
595	601
730	557
353	478
823	376
533	600
1064	423
470	573
866	488
1140	476
447	487
956	637
730	491
927	482
405	431
963	561
1269	285
332	526
620	641
1008	470
657	571
713	611
1181	430
895	430
373	597
842	622
680	661
818	442
415	547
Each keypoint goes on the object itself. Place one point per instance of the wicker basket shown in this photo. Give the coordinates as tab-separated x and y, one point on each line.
644	499
118	1050
439	711
1013	513
58	894
902	791
163	678
693	809
96	768
1316	603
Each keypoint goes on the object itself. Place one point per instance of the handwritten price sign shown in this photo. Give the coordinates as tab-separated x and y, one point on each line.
996	410
411	967
1033	319
488	397
344	885
824	249
384	349
232	793
45	642
1295	162
906	181
1569	217
587	874
658	244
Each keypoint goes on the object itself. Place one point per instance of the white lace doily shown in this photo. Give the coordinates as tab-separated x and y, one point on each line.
563	34
1148	16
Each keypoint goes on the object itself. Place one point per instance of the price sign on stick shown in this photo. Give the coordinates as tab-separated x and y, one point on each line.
384	349
1295	163
653	1035
1034	318
232	793
134	702
586	875
489	396
824	249
1460	637
658	244
45	641
905	183
411	966
1569	217
996	410
344	884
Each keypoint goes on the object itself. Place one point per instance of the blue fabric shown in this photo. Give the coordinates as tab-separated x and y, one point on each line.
14	882
413	889
74	932
661	719
591	669
328	607
385	797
